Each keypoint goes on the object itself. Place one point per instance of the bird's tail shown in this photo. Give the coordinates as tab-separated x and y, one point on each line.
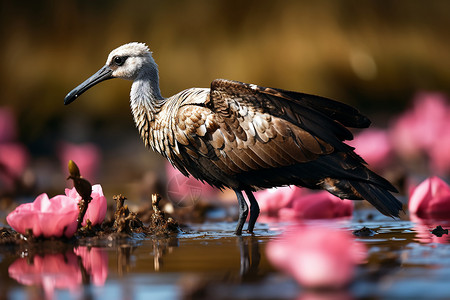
379	197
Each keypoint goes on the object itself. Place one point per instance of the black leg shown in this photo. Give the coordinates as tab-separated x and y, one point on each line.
243	212
254	211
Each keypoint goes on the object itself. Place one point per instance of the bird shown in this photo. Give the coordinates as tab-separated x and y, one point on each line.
247	137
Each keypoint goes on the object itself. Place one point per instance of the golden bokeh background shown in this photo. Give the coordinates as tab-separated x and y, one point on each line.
372	54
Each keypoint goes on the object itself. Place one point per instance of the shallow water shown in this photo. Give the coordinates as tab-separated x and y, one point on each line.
208	262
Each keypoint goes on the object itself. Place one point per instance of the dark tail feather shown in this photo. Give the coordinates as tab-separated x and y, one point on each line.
379	197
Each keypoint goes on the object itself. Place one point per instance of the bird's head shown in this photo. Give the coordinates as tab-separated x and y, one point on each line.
126	62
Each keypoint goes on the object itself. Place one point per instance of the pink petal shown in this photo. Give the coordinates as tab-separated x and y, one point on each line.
423	130
95	261
317	256
431	198
299	203
184	190
7	125
23	218
46	217
96	211
374	146
97	207
322	205
53	271
14	157
86	156
440	155
272	200
72	193
60	224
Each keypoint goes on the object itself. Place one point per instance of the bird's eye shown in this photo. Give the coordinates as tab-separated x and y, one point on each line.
119	60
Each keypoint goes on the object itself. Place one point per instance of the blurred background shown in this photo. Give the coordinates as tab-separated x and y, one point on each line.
375	55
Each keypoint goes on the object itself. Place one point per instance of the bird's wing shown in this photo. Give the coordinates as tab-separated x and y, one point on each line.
322	117
243	135
243	127
315	124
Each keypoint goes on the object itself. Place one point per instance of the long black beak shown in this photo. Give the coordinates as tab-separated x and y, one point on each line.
101	75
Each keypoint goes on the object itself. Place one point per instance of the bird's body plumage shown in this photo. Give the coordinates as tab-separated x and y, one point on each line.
248	137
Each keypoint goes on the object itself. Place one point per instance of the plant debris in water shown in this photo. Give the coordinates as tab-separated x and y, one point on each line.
364	232
439	231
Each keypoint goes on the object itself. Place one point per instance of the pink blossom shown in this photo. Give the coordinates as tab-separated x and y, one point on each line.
299	203
186	191
87	156
440	153
319	205
51	271
47	217
96	211
431	199
58	215
423	130
95	262
271	201
7	125
14	158
420	127
374	146
317	256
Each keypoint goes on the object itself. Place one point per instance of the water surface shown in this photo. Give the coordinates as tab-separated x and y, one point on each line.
206	261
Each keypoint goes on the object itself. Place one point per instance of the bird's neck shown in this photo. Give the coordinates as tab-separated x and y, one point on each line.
146	102
145	97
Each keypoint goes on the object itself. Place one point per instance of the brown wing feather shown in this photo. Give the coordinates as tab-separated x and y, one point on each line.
321	117
236	134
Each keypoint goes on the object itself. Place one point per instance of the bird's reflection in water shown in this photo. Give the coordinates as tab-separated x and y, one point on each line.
249	256
213	285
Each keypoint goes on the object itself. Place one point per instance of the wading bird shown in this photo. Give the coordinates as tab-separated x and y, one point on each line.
247	137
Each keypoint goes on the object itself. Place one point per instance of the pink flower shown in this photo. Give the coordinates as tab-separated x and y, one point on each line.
96	211
95	262
299	203
57	216
374	146
14	158
439	154
424	130
52	271
317	256
47	217
320	205
187	191
271	201
7	125
431	199
87	156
